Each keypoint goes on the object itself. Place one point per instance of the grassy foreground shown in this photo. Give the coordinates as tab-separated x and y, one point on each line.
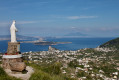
49	72
42	72
4	76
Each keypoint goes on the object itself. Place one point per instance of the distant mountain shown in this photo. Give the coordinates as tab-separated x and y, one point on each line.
78	34
112	43
19	37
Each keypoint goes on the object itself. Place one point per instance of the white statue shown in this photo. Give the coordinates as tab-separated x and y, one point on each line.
13	31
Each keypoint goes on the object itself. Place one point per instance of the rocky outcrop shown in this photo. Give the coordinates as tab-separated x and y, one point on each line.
15	64
51	49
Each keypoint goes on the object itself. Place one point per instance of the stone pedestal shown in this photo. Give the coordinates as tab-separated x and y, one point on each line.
13	58
13	48
13	62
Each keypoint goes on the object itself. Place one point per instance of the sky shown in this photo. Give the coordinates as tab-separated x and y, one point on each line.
95	18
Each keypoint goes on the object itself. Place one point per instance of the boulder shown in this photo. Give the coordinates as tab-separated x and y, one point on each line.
6	62
17	66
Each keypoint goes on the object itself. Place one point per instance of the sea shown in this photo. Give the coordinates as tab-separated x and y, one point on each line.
76	44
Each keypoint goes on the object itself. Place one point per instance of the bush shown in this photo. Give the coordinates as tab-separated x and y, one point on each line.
40	75
68	78
81	74
73	64
50	72
53	69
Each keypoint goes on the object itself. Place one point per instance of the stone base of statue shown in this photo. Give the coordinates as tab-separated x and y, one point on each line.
13	48
13	58
13	62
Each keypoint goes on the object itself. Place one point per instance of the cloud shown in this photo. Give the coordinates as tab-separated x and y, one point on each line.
95	29
4	24
73	27
73	17
80	17
32	22
26	22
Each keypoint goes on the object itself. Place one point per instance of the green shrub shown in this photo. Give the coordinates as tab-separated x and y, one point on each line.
40	75
57	77
68	78
81	74
50	72
2	72
73	64
53	69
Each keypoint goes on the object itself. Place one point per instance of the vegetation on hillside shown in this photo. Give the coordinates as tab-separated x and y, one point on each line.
48	72
111	44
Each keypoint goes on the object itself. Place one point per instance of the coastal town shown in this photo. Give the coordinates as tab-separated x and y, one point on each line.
59	39
83	64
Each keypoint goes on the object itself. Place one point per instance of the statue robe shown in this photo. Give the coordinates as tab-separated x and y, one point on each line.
13	31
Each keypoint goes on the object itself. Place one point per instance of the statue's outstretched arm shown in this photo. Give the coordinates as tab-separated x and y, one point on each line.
16	29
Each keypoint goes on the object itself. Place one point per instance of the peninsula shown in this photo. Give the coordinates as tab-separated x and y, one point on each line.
38	42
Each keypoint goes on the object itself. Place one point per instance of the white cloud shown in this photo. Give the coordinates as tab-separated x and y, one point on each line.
3	24
26	22
96	29
80	17
73	17
73	27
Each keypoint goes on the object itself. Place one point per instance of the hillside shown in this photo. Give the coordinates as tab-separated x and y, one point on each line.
111	44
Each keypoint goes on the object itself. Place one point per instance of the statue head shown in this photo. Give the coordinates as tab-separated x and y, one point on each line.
13	26
14	21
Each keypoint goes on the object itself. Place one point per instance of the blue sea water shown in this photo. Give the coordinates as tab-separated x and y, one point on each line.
77	43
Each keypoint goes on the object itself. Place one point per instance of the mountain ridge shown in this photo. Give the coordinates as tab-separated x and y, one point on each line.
114	43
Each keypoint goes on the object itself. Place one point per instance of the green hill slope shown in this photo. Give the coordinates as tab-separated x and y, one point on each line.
111	44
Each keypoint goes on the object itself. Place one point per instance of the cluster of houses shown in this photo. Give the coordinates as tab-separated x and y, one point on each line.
66	57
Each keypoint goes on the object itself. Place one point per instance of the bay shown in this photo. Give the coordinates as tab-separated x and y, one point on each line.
77	43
